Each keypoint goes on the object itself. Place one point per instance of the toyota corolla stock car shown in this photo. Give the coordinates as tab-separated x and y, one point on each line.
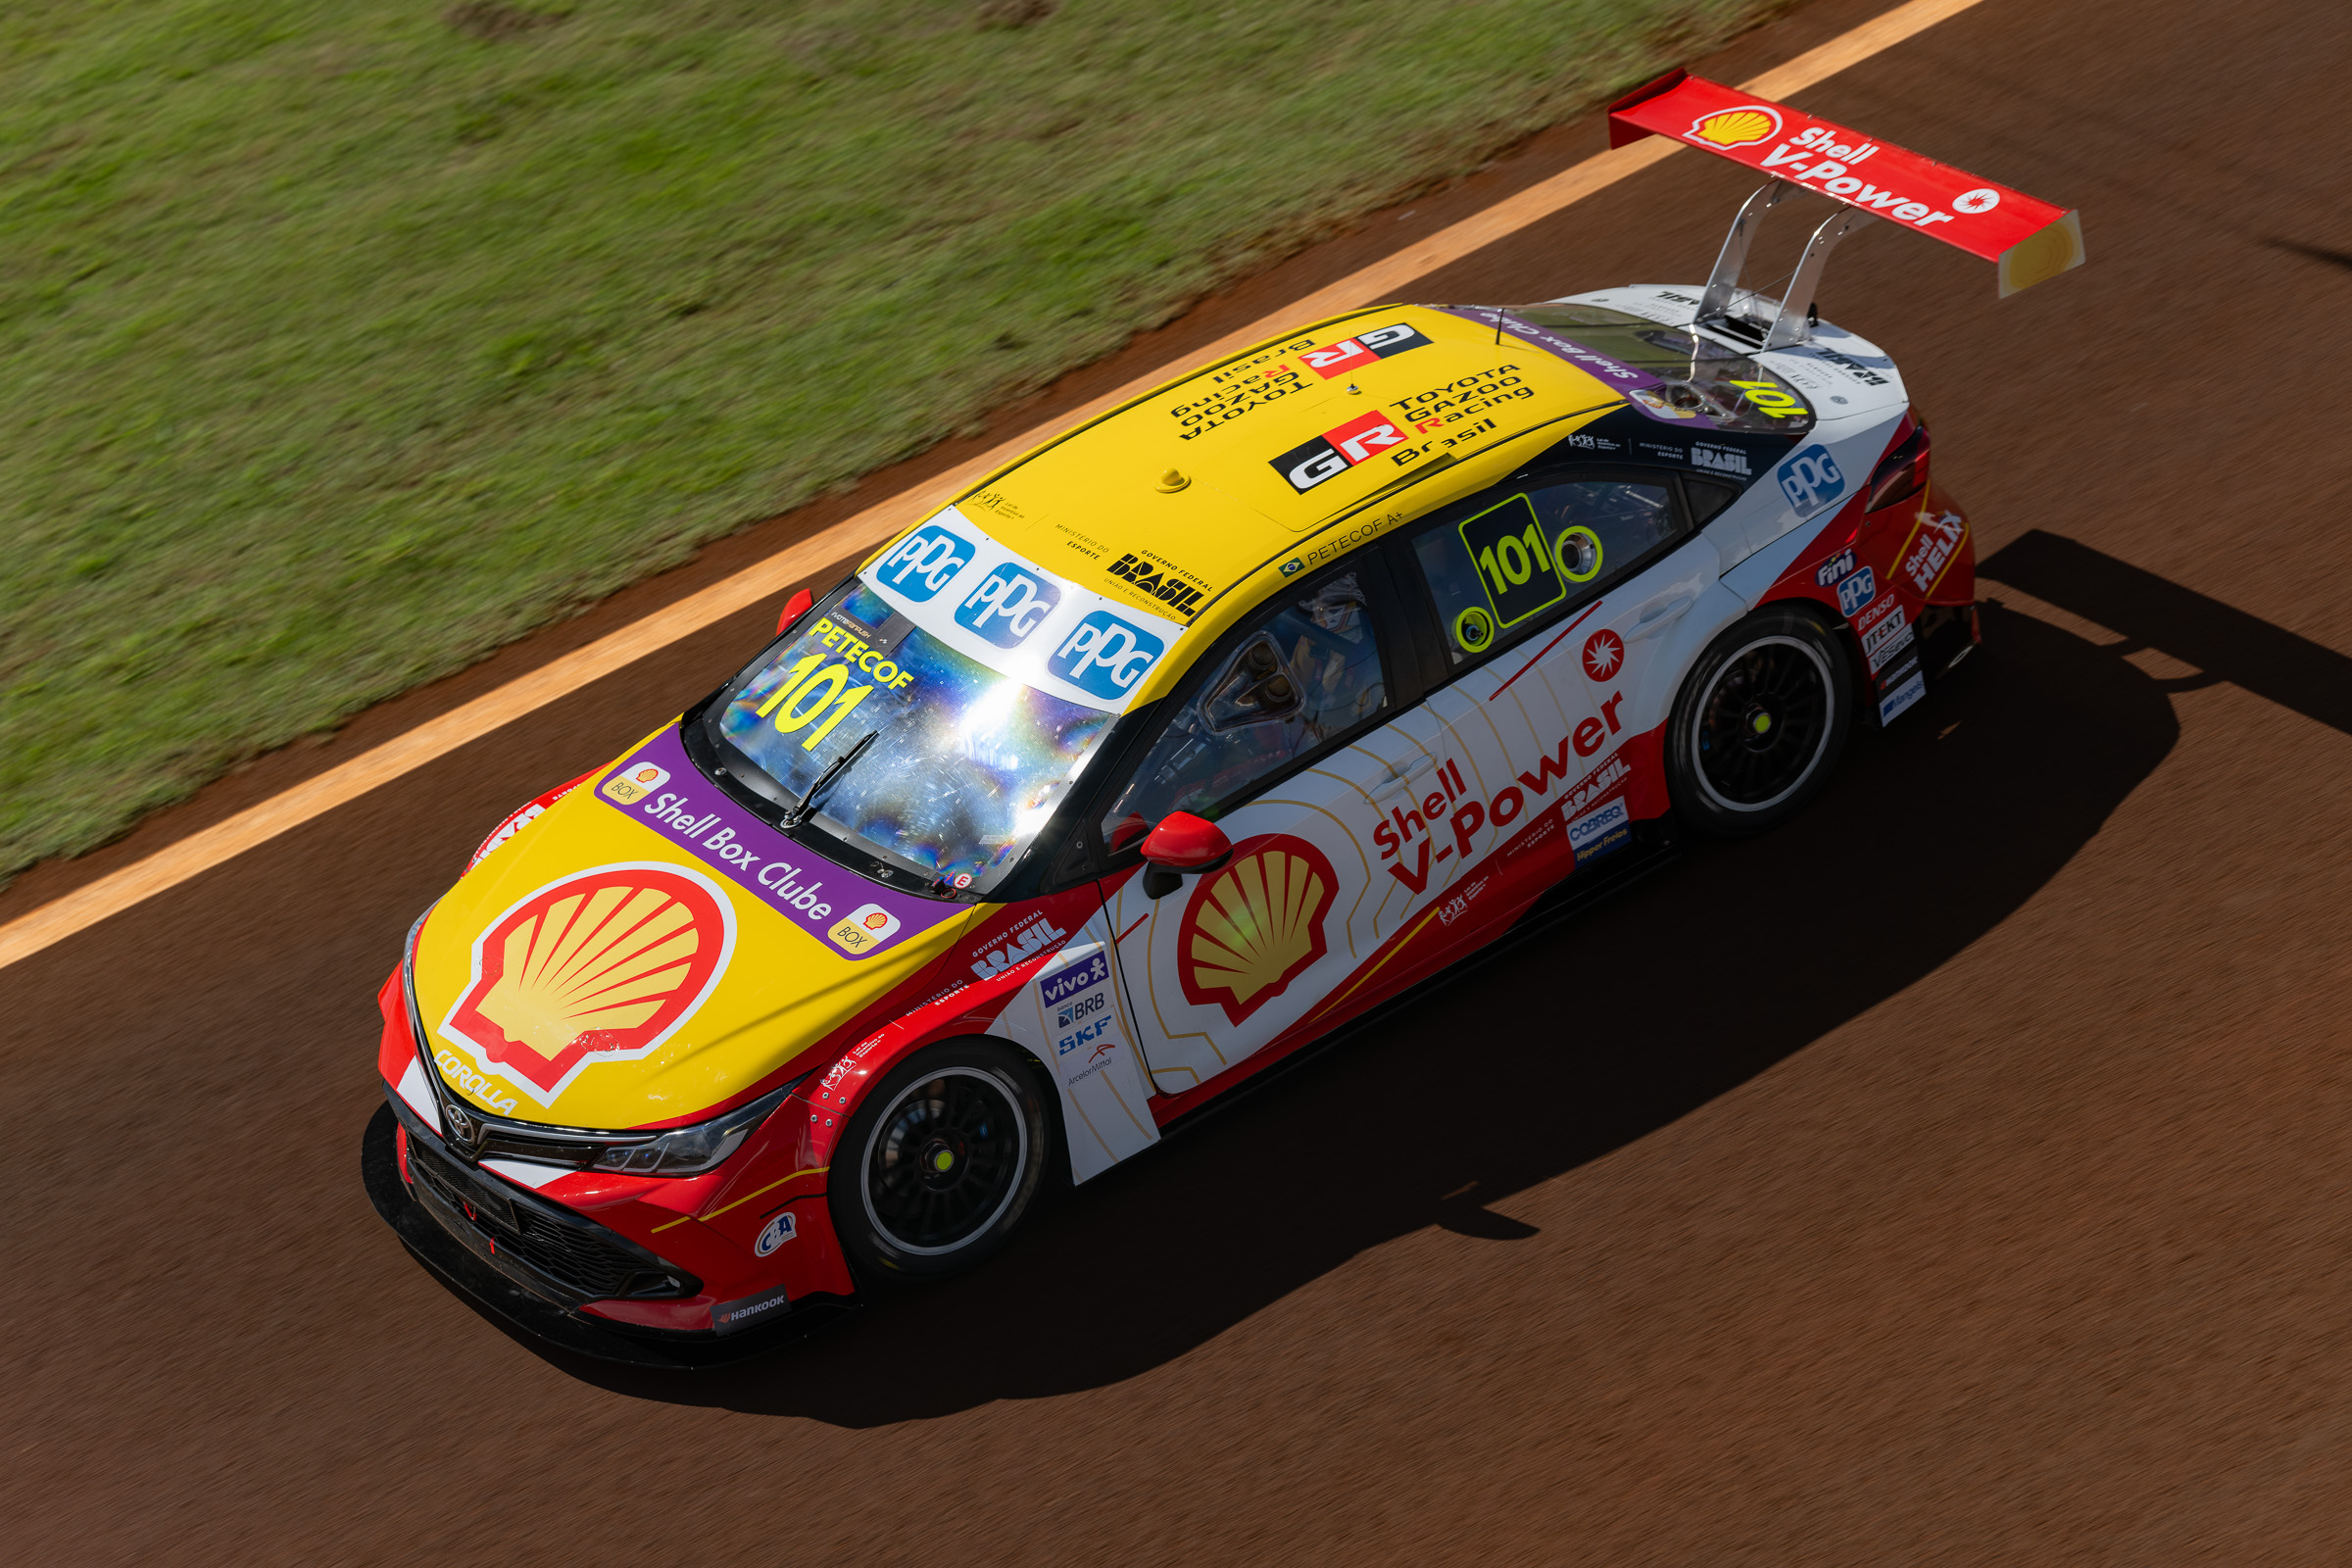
1169	751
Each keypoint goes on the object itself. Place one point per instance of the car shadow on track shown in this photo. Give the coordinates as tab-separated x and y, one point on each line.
2010	770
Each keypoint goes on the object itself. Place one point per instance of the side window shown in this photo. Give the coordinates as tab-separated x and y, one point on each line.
1308	673
1707	497
1510	558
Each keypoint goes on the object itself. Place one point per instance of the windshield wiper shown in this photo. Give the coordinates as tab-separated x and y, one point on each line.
794	817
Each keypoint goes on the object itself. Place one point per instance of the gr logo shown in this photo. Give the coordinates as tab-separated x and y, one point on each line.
1334	451
1008	605
1811	479
1105	655
926	560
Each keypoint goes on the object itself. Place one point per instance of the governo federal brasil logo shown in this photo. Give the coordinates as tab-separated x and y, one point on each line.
602	966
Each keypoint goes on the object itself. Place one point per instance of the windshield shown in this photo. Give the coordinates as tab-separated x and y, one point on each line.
967	766
1699	379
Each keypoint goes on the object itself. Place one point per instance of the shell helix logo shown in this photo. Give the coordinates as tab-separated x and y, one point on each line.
1736	127
602	966
1256	926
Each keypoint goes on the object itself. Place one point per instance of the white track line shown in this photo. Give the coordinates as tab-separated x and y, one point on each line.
207	847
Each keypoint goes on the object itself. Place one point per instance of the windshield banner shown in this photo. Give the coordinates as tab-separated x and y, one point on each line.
1017	618
657	785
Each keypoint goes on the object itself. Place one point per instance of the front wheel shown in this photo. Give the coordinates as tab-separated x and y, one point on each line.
1759	722
941	1161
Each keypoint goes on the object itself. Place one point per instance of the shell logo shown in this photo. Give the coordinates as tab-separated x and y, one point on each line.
1256	926
602	966
1736	127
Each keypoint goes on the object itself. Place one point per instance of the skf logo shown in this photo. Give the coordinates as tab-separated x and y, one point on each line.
1334	451
601	967
1163	585
1355	353
1736	127
1256	926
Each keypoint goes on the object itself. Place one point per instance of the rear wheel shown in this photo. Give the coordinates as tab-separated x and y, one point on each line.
1759	722
948	1153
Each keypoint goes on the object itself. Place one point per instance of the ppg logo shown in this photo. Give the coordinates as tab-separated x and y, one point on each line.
926	560
1856	591
1008	605
1811	479
1105	656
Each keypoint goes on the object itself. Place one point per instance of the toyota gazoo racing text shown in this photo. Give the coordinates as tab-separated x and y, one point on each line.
1169	751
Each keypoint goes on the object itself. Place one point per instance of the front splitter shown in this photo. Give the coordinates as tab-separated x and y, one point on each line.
493	1293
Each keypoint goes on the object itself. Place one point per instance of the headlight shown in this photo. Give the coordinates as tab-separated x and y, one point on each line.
689	1150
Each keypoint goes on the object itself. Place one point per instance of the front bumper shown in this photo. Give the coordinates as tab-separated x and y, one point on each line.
425	1215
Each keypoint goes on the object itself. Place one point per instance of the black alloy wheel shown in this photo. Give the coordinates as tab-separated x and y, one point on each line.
948	1152
1759	723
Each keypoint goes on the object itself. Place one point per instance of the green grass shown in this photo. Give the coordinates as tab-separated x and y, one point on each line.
340	345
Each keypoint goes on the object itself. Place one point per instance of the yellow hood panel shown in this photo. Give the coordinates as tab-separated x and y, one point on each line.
591	972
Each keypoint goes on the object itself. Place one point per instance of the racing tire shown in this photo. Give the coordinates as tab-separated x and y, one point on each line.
940	1162
1759	722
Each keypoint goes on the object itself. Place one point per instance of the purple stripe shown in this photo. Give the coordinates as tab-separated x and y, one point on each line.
806	889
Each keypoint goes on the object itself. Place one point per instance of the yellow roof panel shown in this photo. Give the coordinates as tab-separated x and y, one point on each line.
1175	498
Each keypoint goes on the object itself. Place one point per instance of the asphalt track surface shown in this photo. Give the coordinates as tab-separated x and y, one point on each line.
1961	1174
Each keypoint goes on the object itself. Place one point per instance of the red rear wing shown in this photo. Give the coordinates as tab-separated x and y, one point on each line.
2031	239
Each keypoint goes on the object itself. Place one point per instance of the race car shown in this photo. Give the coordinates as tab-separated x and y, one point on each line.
1167	751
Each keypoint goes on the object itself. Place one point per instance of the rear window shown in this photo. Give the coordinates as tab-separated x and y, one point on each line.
1696	379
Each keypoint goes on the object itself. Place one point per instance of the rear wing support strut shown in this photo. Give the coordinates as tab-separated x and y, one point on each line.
1792	316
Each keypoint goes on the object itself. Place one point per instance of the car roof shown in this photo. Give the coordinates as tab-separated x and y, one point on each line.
1176	499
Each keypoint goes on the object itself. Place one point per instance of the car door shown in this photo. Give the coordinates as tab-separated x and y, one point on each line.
1550	593
1276	742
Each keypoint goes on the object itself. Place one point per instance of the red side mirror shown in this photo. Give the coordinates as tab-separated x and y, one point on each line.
1181	843
1184	842
795	607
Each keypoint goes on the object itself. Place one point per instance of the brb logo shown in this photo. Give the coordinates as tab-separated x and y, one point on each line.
1811	479
1334	451
1008	605
1105	655
925	561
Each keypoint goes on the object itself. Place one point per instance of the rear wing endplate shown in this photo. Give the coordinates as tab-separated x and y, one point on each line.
2027	238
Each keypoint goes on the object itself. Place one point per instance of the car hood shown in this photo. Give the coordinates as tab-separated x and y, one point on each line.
646	950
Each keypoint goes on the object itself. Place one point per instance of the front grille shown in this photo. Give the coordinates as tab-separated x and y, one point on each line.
577	1254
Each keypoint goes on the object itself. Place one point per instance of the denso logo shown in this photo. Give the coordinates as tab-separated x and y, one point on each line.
1105	656
1008	605
926	560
